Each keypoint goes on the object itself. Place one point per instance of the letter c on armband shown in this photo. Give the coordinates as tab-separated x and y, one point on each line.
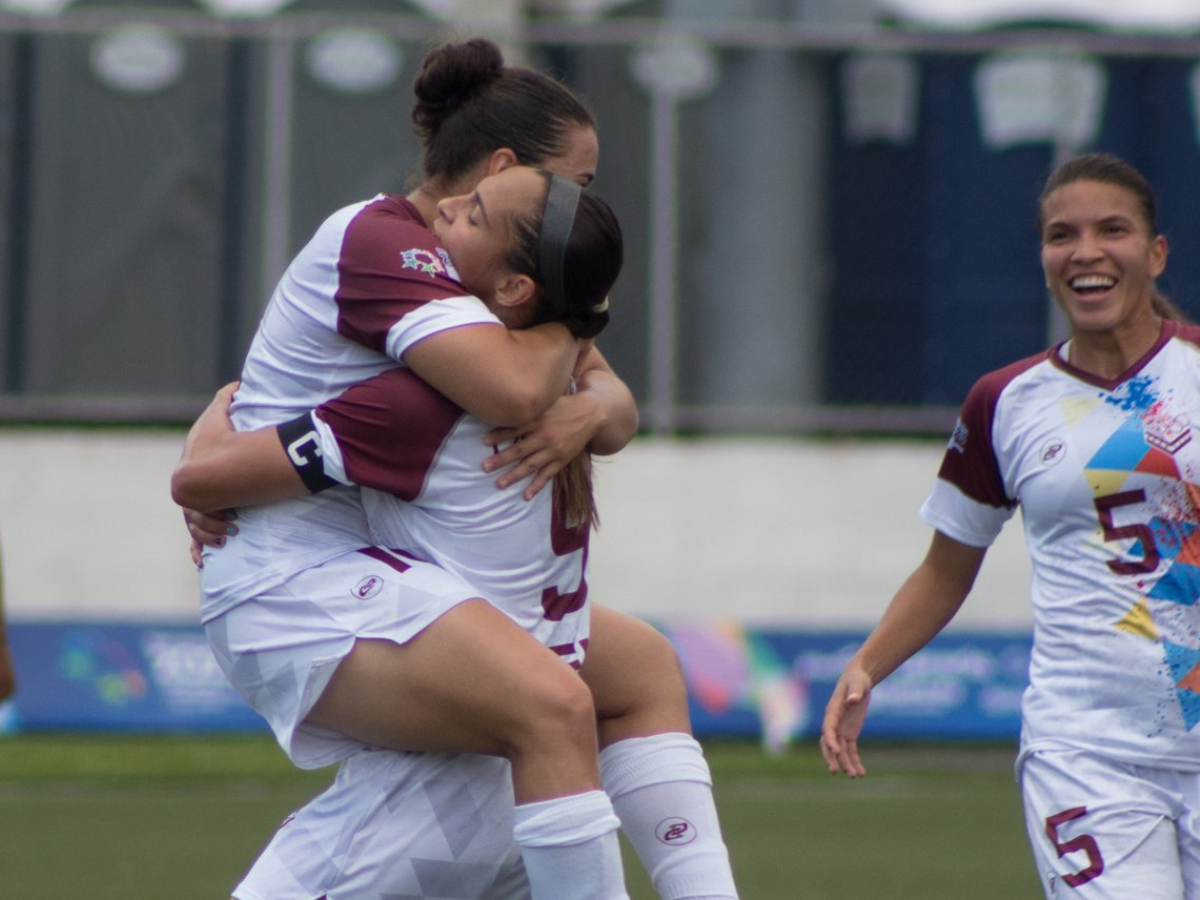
303	447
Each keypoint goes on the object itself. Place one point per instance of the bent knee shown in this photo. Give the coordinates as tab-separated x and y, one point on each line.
558	710
659	658
566	699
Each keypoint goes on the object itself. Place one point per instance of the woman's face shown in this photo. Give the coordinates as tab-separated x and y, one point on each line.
1098	255
581	158
475	228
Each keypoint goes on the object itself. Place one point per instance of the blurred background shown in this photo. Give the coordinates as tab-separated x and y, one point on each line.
828	208
829	202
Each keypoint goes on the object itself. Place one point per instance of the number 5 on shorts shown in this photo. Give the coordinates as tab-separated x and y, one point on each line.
1084	842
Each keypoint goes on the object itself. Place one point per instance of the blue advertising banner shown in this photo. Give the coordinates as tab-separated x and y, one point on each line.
775	684
121	677
742	682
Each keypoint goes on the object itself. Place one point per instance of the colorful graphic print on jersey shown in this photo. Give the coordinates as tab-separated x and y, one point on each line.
1148	444
432	264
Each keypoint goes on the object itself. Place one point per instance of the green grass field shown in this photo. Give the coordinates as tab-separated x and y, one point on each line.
179	818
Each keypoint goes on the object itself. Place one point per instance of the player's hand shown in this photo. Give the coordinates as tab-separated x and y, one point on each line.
844	716
223	399
541	450
208	530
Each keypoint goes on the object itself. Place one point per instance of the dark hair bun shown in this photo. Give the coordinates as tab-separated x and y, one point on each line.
451	76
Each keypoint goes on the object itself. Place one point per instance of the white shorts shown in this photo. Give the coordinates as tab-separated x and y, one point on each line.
398	825
1106	830
280	649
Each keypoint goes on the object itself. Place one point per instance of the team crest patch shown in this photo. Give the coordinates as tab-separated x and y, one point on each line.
1164	431
431	264
958	437
450	270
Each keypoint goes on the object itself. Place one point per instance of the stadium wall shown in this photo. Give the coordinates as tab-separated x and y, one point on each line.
788	533
764	561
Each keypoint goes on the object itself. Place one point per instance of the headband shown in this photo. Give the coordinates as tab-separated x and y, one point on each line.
557	223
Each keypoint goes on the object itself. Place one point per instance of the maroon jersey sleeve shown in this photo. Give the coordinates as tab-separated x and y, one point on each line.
389	265
970	461
389	429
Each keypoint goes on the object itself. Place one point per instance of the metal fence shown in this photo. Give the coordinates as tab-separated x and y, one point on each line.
826	231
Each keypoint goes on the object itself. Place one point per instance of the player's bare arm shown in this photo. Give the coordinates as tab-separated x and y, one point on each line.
925	603
500	376
600	417
8	676
221	468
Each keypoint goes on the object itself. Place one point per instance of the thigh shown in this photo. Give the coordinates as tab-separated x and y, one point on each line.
635	678
465	684
281	648
1100	830
398	824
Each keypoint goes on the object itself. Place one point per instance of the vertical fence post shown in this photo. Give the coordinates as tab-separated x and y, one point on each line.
233	208
277	171
671	70
19	212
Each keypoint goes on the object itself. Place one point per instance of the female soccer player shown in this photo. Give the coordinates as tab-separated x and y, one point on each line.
1093	440
651	766
376	648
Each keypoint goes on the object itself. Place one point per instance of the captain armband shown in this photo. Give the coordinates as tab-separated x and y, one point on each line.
303	447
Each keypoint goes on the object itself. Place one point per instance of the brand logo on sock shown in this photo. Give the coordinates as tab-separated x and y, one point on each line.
675	831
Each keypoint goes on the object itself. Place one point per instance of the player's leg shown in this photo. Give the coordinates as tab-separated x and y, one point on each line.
635	677
474	681
367	650
1099	829
650	765
397	825
471	682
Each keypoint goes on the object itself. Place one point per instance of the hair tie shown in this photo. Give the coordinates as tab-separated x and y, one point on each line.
600	307
557	223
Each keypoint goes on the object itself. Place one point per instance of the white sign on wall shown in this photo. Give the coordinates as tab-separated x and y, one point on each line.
1030	97
880	96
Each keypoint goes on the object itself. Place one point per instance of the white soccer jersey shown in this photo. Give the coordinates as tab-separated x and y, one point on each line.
426	494
351	303
1107	475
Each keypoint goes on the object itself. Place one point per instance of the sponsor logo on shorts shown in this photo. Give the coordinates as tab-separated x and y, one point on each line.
675	831
368	587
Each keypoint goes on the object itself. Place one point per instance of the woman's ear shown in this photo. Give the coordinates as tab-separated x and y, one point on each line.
517	294
501	159
1158	256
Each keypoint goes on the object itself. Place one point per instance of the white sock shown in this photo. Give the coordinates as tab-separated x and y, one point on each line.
661	788
570	848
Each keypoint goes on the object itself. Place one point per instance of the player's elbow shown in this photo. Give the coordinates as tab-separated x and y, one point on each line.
188	488
615	435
